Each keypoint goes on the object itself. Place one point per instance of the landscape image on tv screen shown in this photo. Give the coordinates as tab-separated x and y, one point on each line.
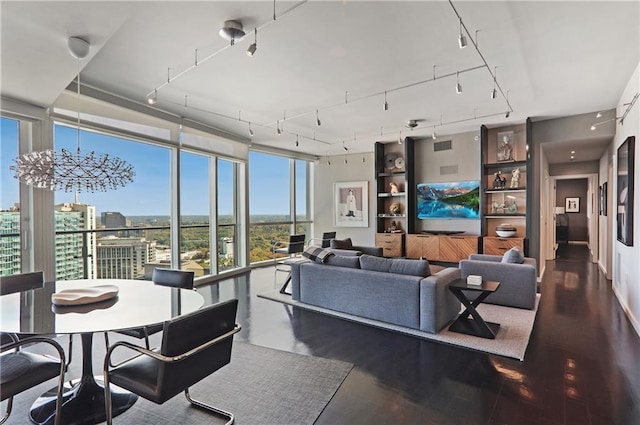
449	200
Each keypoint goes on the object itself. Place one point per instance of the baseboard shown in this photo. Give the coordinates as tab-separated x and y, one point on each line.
627	311
602	269
544	268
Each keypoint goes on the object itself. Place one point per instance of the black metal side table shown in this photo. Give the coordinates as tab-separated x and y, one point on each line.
476	325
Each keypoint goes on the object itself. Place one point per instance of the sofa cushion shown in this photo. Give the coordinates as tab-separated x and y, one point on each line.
341	243
378	264
351	261
317	254
410	267
513	256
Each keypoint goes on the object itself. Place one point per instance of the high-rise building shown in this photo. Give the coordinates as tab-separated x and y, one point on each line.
75	252
10	241
124	258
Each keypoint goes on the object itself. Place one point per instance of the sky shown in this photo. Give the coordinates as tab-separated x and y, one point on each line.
149	194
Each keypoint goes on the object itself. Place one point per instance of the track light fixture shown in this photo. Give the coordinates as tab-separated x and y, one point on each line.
458	86
251	50
462	39
344	147
434	136
494	92
152	99
385	106
400	138
250	130
318	123
278	129
507	114
232	31
297	142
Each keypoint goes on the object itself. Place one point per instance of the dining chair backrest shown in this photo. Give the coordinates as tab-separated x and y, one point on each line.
188	332
21	282
296	244
173	278
326	239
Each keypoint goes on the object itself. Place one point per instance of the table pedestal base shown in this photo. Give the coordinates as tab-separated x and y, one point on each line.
82	403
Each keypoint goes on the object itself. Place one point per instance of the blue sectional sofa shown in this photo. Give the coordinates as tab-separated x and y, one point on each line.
397	291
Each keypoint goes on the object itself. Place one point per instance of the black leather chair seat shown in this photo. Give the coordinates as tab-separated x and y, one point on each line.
139	332
22	370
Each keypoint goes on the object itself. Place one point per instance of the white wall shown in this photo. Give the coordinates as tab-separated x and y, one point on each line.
626	267
325	176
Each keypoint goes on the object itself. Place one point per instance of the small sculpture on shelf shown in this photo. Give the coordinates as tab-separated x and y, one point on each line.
499	182
515	178
394	187
394	227
498	208
513	207
394	208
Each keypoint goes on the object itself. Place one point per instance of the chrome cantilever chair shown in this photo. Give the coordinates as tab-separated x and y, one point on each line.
325	241
164	277
292	248
193	347
19	283
21	370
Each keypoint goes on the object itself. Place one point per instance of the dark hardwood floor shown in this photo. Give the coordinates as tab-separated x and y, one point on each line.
581	366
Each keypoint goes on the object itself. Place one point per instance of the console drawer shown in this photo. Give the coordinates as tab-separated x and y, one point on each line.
391	244
498	246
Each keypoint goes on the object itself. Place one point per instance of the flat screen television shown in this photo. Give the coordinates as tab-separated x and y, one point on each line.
449	200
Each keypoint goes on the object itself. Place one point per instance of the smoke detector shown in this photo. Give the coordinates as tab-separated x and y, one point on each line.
412	123
232	31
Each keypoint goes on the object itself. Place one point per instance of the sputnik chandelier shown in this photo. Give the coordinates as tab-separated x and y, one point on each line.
69	171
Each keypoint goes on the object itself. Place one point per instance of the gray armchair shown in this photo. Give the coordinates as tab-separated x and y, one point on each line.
518	282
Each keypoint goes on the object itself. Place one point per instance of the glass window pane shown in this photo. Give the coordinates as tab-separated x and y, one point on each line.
195	214
269	201
9	201
138	214
227	220
269	188
302	212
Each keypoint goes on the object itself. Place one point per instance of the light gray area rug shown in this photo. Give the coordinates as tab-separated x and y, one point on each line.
260	386
512	339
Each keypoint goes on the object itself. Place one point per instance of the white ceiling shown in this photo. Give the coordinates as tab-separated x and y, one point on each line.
553	59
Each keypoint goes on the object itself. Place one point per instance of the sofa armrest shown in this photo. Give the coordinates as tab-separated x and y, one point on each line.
486	257
369	250
518	282
438	305
295	278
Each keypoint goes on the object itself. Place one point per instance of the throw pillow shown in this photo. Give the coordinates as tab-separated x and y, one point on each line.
317	254
410	267
341	243
378	264
513	256
350	261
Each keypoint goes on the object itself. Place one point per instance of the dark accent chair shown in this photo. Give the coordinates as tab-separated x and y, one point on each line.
164	277
326	239
292	248
19	283
193	347
21	370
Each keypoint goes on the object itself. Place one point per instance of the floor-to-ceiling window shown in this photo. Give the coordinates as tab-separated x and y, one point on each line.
227	213
279	202
9	200
122	233
195	213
